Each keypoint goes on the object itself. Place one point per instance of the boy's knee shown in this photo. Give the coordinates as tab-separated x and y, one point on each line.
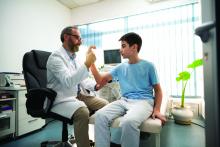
100	115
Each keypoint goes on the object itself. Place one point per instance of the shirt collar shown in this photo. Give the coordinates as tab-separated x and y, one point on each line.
71	55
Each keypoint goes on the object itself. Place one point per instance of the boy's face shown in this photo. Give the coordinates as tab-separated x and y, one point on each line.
126	50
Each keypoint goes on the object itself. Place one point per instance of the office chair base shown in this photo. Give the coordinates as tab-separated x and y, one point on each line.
56	144
63	144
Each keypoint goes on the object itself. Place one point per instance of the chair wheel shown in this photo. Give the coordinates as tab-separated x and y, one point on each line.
44	144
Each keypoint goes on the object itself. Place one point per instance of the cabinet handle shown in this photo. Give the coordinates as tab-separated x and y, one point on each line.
32	120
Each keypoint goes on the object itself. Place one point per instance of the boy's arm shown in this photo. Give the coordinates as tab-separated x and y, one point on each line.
157	103
101	79
158	97
96	74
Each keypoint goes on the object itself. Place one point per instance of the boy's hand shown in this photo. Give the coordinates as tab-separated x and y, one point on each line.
157	114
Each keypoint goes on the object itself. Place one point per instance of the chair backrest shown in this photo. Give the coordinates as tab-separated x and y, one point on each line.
34	69
35	76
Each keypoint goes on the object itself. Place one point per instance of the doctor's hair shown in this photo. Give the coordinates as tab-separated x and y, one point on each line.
132	38
67	30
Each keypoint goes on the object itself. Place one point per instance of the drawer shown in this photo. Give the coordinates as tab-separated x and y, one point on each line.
26	126
7	123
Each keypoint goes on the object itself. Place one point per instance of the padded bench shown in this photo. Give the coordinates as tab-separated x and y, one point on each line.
152	126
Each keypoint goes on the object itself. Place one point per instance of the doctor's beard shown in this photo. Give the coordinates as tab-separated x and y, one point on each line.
74	49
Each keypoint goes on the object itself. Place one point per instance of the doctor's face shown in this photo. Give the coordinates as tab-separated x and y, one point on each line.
74	40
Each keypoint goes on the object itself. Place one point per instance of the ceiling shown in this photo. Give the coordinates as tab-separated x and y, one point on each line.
77	3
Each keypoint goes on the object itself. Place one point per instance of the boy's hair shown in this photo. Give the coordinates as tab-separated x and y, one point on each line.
67	30
132	38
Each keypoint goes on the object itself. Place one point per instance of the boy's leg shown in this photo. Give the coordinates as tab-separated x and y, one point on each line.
103	120
137	113
80	122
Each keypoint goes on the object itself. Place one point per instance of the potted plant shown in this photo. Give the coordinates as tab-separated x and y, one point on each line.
182	114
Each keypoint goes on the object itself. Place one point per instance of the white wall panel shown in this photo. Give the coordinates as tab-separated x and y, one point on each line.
27	25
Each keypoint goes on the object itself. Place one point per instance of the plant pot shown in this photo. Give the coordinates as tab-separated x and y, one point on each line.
182	115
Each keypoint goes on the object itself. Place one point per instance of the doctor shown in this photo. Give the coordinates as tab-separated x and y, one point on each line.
69	78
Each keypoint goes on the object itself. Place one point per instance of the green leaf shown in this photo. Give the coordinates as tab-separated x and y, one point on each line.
178	78
196	63
185	75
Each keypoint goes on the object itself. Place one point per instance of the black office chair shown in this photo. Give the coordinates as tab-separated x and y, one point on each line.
35	75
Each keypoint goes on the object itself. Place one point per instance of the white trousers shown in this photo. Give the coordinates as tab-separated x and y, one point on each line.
134	112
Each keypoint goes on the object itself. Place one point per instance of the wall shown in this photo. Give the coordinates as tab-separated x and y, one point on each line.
27	25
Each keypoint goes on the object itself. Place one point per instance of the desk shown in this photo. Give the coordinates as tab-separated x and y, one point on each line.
24	123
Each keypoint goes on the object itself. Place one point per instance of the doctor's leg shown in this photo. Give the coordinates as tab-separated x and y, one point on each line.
80	122
93	103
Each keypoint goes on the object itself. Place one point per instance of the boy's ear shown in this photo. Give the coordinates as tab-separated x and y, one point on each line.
135	46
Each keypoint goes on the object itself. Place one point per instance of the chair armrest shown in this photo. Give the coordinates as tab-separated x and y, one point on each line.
49	93
36	98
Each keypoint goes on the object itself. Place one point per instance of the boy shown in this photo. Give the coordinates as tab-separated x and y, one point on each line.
141	95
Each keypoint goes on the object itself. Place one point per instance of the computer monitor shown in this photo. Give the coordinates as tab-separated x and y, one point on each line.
112	56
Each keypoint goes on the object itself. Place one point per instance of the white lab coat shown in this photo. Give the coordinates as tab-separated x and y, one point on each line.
63	77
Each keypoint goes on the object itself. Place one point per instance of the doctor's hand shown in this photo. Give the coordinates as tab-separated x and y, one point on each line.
90	57
90	49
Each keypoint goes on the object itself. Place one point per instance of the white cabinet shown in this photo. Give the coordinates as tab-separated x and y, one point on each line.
7	116
24	123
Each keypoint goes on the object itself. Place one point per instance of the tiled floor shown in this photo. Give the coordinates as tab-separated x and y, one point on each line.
172	135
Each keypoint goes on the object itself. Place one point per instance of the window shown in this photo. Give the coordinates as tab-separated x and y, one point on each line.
168	41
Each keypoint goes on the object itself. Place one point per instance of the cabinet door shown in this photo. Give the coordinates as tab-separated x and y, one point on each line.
21	97
25	123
